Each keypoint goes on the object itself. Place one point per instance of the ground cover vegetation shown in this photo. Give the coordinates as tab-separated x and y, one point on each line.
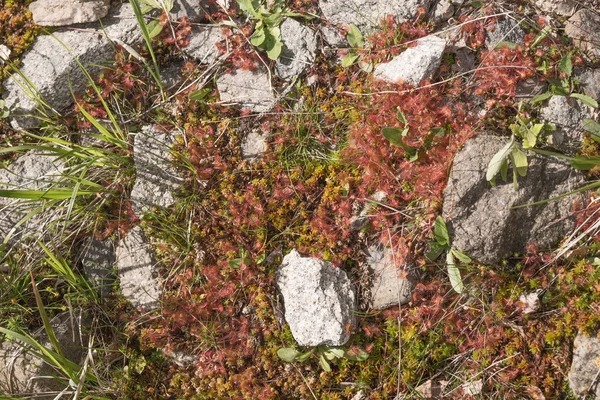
233	220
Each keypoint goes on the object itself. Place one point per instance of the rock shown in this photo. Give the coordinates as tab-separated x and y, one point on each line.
300	46
566	8
4	53
171	75
334	36
360	221
98	260
430	390
584	28
181	358
531	302
50	67
138	271
68	12
474	388
391	283
319	300
590	82
254	145
506	30
193	10
414	64
567	114
24	374
249	89
203	43
156	178
442	11
32	171
367	14
583	375
479	218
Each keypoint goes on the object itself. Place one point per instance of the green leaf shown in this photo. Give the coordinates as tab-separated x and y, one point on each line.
509	45
235	263
324	364
275	51
454	274
461	256
566	65
435	250
519	159
587	100
593	128
496	162
354	37
250	7
540	36
394	136
504	170
200	94
258	37
401	117
333	353
361	356
288	354
584	163
440	231
273	20
154	28
541	97
349	59
304	356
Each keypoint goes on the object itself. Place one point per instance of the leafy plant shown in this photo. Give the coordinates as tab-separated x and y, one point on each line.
3	110
356	41
267	35
441	243
154	27
324	353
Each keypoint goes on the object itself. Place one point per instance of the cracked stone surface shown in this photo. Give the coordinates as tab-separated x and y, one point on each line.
318	299
49	66
156	179
138	271
479	217
300	47
68	12
248	89
24	374
415	63
585	367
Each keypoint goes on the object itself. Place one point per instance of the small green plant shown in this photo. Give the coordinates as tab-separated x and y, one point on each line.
324	353
441	243
154	27
3	110
356	41
267	35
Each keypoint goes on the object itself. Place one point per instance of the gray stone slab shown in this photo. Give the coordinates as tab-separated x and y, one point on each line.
300	47
392	283
583	375
203	43
68	12
98	260
248	89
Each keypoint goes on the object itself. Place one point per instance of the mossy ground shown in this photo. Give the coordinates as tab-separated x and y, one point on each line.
221	243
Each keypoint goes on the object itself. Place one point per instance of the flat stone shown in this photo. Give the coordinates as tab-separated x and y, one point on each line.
156	178
585	367
506	30
68	12
24	374
249	89
566	8
334	37
391	285
254	145
319	300
479	217
442	11
31	171
584	28
4	53
567	115
203	43
300	47
98	259
415	63
138	271
49	66
590	82
367	14
193	10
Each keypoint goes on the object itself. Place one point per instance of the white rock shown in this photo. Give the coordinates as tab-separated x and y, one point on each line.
68	12
193	10
415	63
506	30
203	43
319	300
584	28
254	145
138	271
249	89
442	11
473	388
4	53
98	260
300	46
156	178
391	285
585	367
567	114
531	301
566	8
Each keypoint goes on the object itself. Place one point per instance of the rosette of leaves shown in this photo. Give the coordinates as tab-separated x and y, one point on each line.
324	353
441	244
267	35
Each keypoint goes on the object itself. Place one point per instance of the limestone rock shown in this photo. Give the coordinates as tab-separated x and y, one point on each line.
193	10
49	66
138	271
585	367
68	12
584	28
319	300
367	14
566	8
98	260
392	284
590	82
254	145
300	46
442	11
506	30
4	53
334	36
32	171
203	40
249	89
415	63
156	178
24	374
567	114
479	217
